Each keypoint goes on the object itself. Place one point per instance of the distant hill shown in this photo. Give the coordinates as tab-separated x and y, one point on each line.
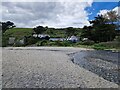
18	32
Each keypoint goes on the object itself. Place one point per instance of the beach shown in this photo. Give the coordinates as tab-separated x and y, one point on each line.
47	67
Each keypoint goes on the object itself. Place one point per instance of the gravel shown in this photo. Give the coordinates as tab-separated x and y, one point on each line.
0	68
46	67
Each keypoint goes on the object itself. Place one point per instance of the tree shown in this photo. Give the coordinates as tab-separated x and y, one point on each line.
86	32
98	20
7	25
39	29
70	31
100	31
112	16
103	33
1	26
49	31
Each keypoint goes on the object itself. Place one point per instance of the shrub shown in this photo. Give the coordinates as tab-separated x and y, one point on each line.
59	43
31	40
53	43
67	43
42	43
107	45
17	44
111	44
99	46
117	38
63	43
4	41
88	42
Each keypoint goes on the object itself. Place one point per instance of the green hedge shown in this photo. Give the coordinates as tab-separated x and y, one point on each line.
107	45
53	43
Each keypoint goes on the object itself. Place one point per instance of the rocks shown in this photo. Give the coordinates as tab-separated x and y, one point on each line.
103	65
46	68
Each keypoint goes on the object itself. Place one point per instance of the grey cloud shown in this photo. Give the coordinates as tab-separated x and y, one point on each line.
53	14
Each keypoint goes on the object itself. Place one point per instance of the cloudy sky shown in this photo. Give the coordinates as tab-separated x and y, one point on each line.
54	14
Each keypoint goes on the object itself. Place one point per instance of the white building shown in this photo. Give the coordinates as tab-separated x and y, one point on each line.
57	39
73	38
40	35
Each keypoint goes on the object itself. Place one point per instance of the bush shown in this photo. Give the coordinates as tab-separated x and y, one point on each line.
63	43
4	41
107	45
53	43
59	43
88	42
99	46
31	40
42	43
117	38
67	43
17	44
112	44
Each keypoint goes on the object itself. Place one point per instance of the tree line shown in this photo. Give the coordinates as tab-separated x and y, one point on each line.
102	29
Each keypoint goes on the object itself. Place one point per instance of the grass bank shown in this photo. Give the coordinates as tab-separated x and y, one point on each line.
18	33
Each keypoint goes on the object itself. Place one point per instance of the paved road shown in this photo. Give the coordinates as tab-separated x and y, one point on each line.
48	67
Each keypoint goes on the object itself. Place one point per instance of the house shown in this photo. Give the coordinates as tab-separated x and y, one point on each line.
42	36
35	35
57	39
85	39
73	39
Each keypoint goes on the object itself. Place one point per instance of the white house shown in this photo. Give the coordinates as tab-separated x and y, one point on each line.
57	39
35	35
73	38
85	39
40	35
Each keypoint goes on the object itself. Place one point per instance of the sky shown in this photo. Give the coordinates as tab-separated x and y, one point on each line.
54	14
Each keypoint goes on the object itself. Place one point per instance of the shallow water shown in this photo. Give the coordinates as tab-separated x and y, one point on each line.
103	63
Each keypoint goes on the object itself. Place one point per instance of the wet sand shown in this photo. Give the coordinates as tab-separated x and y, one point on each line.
46	67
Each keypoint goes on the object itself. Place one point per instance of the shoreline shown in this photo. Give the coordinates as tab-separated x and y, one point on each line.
47	68
96	62
82	48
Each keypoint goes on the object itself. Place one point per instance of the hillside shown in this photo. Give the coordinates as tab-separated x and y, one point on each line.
18	32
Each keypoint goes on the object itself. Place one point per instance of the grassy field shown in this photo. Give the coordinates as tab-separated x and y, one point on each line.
18	32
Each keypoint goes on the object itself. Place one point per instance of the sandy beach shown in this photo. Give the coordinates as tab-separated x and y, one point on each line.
46	67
